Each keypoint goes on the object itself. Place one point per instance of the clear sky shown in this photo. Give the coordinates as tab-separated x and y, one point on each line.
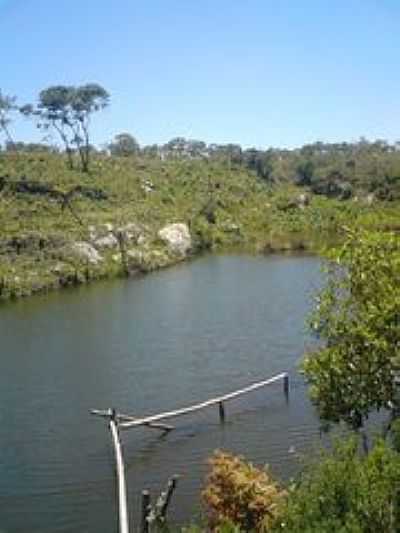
256	72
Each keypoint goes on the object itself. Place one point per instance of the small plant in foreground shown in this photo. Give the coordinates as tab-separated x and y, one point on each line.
237	492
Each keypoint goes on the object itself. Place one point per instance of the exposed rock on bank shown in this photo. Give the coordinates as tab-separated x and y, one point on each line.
85	252
108	236
177	238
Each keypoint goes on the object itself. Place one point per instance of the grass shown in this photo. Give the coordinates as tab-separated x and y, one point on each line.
225	207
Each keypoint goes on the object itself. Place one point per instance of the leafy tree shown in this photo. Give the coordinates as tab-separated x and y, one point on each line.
86	100
7	106
346	493
305	171
124	144
68	111
357	318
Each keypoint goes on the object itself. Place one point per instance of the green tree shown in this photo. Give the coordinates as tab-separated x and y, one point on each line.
357	318
68	110
7	106
124	144
305	172
346	493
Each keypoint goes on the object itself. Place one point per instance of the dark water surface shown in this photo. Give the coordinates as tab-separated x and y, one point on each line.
166	340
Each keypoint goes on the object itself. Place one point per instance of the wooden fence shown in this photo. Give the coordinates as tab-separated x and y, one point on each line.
118	421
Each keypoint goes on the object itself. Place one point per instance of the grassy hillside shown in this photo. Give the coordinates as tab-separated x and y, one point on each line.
45	208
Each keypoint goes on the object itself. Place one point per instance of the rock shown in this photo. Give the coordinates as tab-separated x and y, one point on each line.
109	241
141	240
135	258
131	233
146	260
85	252
97	232
58	268
177	238
107	236
302	200
108	227
147	186
370	199
230	227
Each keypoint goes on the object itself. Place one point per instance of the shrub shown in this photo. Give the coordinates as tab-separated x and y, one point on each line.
237	492
346	492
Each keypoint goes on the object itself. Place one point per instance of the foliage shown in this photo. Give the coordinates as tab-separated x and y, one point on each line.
7	106
357	317
225	207
68	110
345	492
124	144
240	493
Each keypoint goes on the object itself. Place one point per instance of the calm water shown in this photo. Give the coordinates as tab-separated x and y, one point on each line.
145	345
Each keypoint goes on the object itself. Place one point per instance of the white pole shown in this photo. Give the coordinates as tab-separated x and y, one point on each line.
120	468
185	410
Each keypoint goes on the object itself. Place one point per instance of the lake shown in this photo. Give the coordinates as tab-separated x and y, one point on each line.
145	345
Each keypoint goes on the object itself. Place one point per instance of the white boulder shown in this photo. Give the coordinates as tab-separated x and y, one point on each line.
85	252
109	241
177	238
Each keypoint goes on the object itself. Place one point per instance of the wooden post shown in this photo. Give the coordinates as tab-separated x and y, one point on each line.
221	412
286	386
168	495
120	469
144	525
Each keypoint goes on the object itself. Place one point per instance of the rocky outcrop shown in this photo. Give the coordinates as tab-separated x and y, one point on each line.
177	238
143	260
83	251
132	233
108	236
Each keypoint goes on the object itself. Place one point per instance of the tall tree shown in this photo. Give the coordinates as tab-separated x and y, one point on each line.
86	100
7	106
68	110
355	372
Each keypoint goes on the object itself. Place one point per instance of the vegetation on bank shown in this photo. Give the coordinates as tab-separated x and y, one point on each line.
341	491
46	206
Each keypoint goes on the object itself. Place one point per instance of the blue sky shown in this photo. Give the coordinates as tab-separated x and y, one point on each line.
257	72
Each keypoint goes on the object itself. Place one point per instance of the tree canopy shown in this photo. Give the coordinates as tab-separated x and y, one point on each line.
124	144
7	106
68	110
358	319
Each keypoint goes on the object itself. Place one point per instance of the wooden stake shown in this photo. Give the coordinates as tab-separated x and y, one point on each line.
286	386
221	412
167	500
146	500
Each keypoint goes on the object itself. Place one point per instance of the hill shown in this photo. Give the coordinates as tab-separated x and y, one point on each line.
61	227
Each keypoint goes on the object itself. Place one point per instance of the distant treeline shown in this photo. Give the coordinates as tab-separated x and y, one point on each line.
338	170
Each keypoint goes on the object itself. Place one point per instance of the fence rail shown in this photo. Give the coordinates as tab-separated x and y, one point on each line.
117	421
